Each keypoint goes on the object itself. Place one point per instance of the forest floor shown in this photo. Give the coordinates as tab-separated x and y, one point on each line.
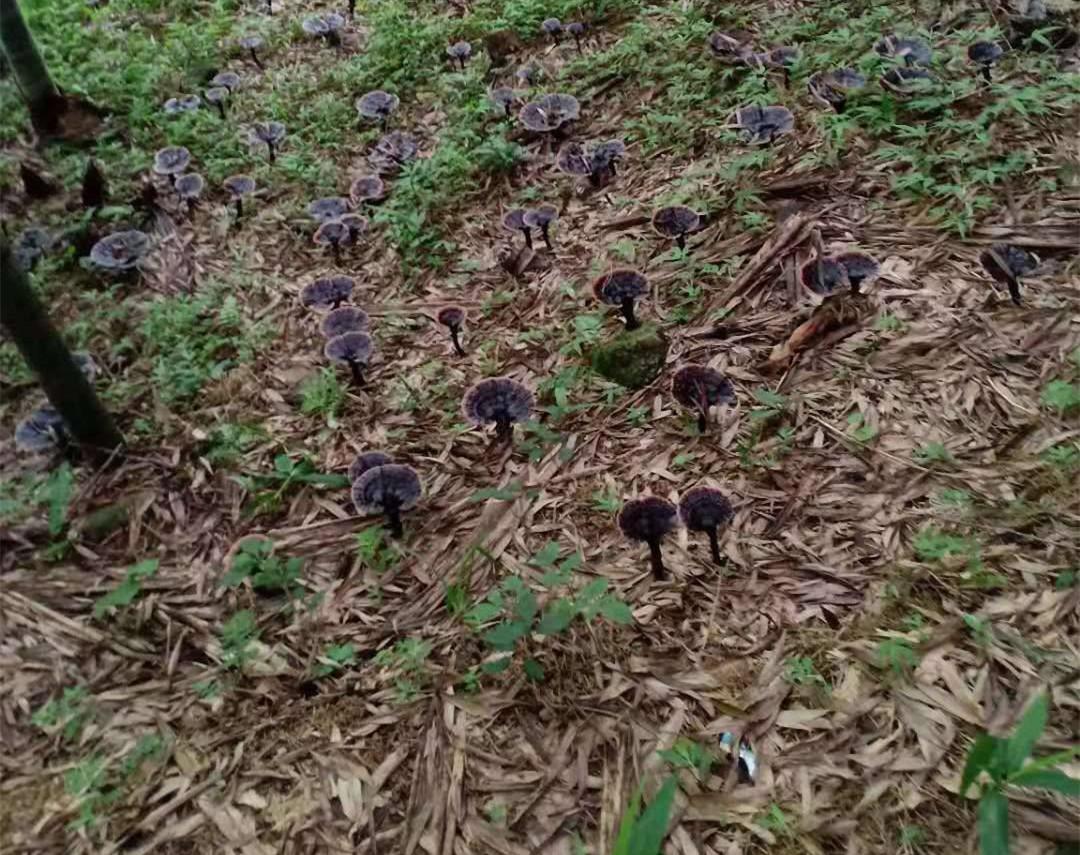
901	571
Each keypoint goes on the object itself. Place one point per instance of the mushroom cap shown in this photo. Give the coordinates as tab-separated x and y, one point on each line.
541	216
620	284
1019	261
859	267
189	186
648	518
239	185
327	291
392	151
120	250
315	26
906	79
172	160
377	104
365	461
32	243
333	233
781	57
451	316
334	21
608	152
328	209
497	399
459	50
269	132
342	320
549	112
760	124
514	220
227	79
528	73
216	94
572	160
251	42
675	220
354	346
357	224
727	47
183	104
576	28
985	53
551	26
697	387
906	48
502	98
705	509
367	188
830	87
40	431
824	275
388	485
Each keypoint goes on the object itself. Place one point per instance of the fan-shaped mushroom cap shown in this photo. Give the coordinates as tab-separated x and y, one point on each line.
239	185
911	50
183	104
227	79
540	217
576	28
351	347
365	461
502	98
824	275
251	42
189	186
551	26
389	486
831	87
497	400
549	112
367	188
41	431
392	151
315	26
459	50
327	292
620	284
729	48
31	244
859	267
377	104
648	518
528	73
451	316
333	233
608	152
985	53
698	386
780	57
342	320
357	224
1019	261
905	80
120	250
572	160
514	220
172	160
268	132
675	221
705	509
763	124
328	209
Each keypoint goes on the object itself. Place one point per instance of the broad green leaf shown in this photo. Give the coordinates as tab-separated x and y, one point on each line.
505	635
547	556
978	760
534	670
1048	779
571	562
628	825
526	607
1028	731
482	613
652	825
497	666
510	491
616	610
556	618
554	578
993	823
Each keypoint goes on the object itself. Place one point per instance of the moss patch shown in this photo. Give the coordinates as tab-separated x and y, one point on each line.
632	358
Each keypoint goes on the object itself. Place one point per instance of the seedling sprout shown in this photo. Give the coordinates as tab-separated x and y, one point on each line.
648	520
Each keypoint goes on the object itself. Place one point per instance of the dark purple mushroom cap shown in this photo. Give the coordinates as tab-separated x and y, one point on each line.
906	79
541	216
648	518
451	316
576	28
727	47
251	42
620	284
781	57
120	250
551	26
268	132
377	105
342	320
389	485
528	73
327	292
985	53
514	220
831	87
239	185
911	50
367	188
351	347
328	209
367	460
172	160
1019	261
502	98
459	50
356	223
41	431
227	79
334	21
824	275
189	186
705	509
549	112
859	267
392	151
762	124
216	94
572	160
608	152
315	26
675	221
183	104
497	399
698	387
333	233
31	244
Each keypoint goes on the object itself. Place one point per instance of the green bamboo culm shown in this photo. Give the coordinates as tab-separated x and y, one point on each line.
24	318
27	66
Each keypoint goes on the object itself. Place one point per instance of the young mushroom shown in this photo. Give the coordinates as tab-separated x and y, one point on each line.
40	432
910	51
552	27
621	287
388	489
183	104
501	401
357	224
326	292
453	317
832	88
647	520
324	210
541	218
342	320
985	55
675	222
698	388
367	188
334	234
270	134
353	349
226	79
171	161
377	106
253	44
189	188
598	165
906	80
549	113
119	252
823	275
393	151
239	186
503	99
514	221
367	460
577	30
762	125
706	509
217	95
859	268
781	58
1006	264
460	53
728	48
326	27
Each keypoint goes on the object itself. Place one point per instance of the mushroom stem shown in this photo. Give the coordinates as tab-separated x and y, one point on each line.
393	518
528	237
273	154
503	429
352	8
269	7
221	109
628	314
336	250
986	73
702	420
680	240
544	231
255	59
657	559
714	545
357	373
461	60
239	207
454	331
577	41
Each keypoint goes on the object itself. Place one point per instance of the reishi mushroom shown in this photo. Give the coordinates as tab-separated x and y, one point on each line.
647	520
